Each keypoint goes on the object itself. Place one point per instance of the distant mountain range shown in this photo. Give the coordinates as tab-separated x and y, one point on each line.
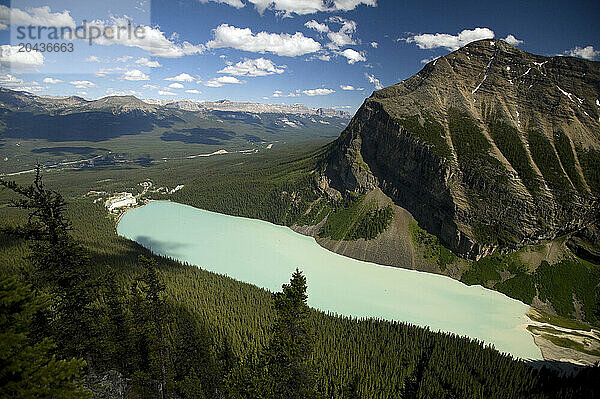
255	108
27	116
23	101
490	148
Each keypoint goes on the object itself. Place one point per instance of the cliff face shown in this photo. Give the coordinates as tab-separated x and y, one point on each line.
490	148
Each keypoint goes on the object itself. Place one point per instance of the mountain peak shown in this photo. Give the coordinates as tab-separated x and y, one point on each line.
485	126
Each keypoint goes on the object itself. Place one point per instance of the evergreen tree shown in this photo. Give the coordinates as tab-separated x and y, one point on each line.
28	369
151	312
291	345
60	264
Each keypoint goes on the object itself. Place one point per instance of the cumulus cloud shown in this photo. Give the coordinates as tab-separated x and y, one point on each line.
448	41
353	56
318	92
428	60
256	67
279	93
319	27
146	62
283	44
40	16
588	53
92	58
374	81
135	75
303	7
510	39
233	3
350	87
342	37
125	58
221	80
10	57
152	40
176	85
193	91
182	77
104	72
51	80
374	44
166	93
151	87
82	84
118	92
6	79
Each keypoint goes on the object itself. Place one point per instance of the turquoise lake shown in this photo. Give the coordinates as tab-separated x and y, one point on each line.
265	255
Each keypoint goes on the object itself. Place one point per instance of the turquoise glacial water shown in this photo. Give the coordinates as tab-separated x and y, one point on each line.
265	255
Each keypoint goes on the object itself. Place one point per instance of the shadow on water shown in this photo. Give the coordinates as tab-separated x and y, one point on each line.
169	249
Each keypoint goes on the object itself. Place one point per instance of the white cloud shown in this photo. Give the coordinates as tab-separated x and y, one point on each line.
92	58
233	3
135	74
221	80
193	91
125	58
318	92
450	42
510	39
82	84
166	93
319	27
146	62
9	80
104	72
374	81
374	44
176	85
40	16
10	57
353	56
588	53
128	92
151	87
303	7
350	87
51	80
324	57
428	60
150	39
340	38
256	67
283	44
343	37
279	93
82	93
182	77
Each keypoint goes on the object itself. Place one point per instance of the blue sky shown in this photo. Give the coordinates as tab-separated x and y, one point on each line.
331	53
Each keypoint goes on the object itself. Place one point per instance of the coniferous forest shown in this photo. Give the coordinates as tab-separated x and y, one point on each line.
75	311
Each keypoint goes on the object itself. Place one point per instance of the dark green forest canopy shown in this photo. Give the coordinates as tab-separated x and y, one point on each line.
231	323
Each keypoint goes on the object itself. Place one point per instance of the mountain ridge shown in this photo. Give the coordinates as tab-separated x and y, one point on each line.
490	148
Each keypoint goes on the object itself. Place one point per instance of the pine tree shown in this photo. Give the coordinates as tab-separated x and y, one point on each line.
28	369
60	265
290	348
151	310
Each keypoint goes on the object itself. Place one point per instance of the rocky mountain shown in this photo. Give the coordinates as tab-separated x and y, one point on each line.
248	107
27	116
490	148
